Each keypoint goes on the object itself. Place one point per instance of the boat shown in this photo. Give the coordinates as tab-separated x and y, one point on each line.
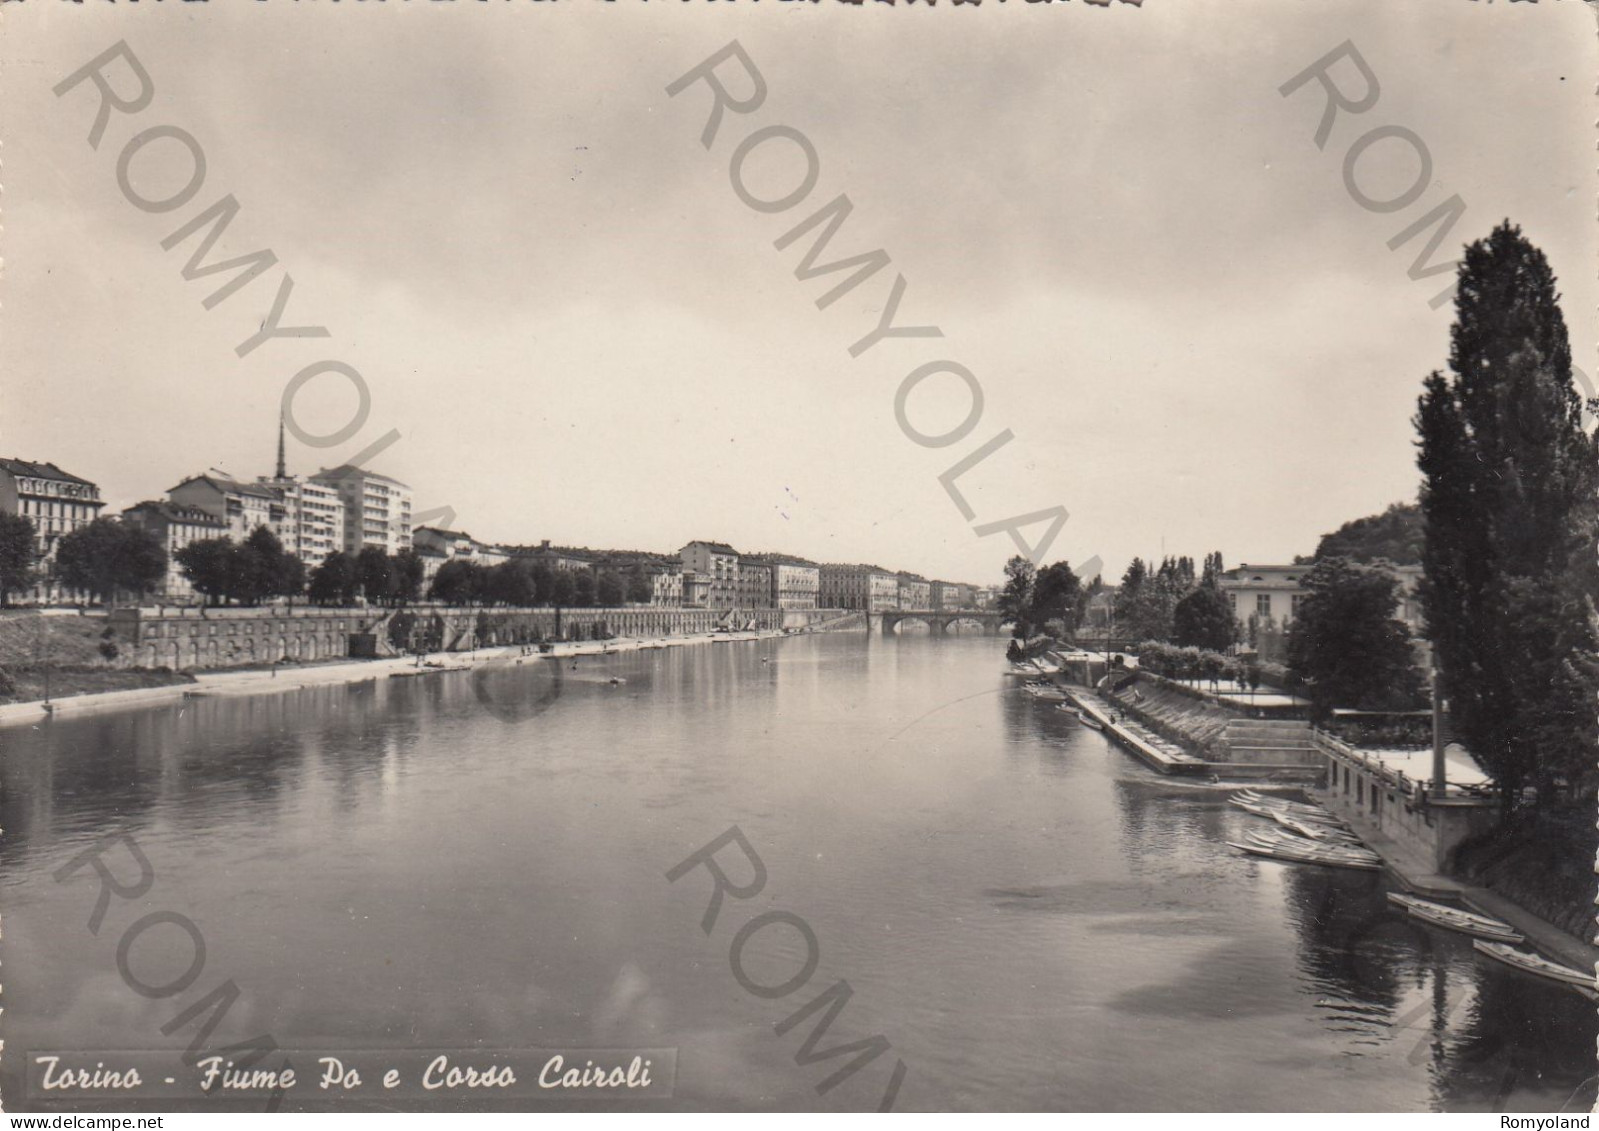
1275	851
1313	830
1313	812
1047	692
1067	708
1531	963
1455	919
1089	721
1024	668
1300	844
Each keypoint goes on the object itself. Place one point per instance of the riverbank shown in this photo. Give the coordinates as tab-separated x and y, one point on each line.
292	677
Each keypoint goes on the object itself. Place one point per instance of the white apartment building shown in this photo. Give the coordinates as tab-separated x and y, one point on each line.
377	509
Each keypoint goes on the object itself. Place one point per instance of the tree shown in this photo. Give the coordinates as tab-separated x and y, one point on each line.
457	583
374	570
1509	510
561	590
640	589
17	555
1204	619
1016	598
260	568
207	564
608	590
1395	535
1347	646
334	582
1056	601
583	588
108	556
406	574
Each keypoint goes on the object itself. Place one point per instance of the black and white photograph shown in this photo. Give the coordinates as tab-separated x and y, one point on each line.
709	556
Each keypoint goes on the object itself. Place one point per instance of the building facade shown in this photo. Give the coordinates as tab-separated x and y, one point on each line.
718	562
754	584
242	507
696	590
915	593
377	509
948	595
175	526
1278	592
796	583
313	518
864	587
55	501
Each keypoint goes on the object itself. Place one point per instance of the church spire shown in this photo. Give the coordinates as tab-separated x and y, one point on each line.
283	470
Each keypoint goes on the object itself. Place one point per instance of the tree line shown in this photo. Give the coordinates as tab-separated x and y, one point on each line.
109	557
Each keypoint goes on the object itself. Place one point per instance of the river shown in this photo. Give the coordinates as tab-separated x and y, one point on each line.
1028	916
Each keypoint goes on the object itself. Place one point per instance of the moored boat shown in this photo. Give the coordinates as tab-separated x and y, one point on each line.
1531	963
1278	851
1089	721
1455	919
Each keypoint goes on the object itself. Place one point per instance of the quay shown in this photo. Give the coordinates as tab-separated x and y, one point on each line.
287	677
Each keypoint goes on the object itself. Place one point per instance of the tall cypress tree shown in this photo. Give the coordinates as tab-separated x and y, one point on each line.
1509	507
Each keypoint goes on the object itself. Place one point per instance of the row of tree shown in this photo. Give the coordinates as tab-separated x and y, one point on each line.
1169	603
103	558
524	584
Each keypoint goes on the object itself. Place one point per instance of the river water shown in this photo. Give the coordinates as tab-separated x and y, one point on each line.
1028	916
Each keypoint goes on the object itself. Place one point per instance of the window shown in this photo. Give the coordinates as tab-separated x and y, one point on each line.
1263	604
1294	602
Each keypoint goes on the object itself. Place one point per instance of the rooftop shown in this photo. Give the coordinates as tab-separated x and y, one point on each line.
40	471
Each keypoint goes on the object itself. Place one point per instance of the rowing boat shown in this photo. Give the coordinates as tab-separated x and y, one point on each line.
1454	919
1089	721
1312	830
1531	963
1277	851
1299	808
1300	844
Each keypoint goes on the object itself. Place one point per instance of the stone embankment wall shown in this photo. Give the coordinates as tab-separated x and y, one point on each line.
191	639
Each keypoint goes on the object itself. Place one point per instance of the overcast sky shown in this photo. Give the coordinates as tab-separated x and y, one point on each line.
1198	339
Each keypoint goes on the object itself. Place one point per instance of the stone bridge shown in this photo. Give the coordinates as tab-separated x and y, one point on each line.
937	622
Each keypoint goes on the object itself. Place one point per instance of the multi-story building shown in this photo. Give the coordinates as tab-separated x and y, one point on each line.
754	584
719	562
696	590
556	557
313	518
377	509
666	583
795	583
914	592
1278	592
865	587
435	546
242	507
1266	592
55	501
950	595
175	526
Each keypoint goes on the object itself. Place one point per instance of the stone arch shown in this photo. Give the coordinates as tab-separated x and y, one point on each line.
149	656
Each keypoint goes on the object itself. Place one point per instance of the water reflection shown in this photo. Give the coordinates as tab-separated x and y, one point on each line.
1028	914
